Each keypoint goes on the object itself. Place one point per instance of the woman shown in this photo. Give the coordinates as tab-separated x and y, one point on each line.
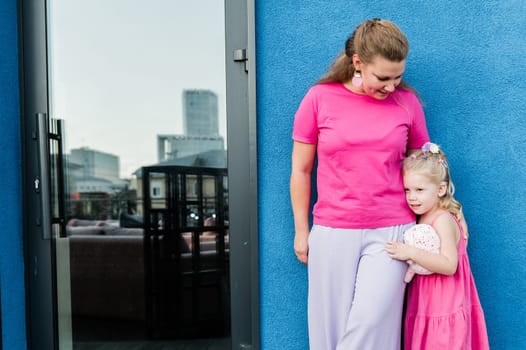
360	121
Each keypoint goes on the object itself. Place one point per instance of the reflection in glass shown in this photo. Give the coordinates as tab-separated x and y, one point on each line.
141	88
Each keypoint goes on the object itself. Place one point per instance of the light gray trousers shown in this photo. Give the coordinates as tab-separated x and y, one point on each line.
356	291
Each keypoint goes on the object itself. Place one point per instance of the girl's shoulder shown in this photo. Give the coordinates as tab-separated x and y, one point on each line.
445	222
441	214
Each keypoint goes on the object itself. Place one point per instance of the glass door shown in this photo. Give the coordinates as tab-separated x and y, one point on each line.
131	237
137	84
134	235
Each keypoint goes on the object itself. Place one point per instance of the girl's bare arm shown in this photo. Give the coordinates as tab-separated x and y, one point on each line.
444	262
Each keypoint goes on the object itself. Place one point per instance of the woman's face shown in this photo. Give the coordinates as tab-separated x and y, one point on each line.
380	77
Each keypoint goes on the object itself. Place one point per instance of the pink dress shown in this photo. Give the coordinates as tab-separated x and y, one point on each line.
444	312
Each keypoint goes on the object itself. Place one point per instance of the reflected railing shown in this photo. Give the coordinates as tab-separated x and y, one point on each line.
186	241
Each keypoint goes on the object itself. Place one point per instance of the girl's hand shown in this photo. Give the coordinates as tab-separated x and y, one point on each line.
301	246
398	250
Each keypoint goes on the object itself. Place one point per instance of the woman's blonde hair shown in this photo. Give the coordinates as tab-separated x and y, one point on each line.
432	163
374	37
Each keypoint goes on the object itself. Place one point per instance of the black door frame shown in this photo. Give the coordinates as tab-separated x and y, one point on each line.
41	303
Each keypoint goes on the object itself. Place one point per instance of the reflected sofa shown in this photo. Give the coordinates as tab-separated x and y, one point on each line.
107	269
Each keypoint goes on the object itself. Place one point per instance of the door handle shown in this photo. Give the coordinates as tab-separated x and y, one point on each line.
58	177
42	178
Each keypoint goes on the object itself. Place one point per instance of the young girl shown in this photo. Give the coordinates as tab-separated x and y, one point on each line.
443	309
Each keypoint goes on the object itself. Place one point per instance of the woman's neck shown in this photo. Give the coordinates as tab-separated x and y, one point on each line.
356	89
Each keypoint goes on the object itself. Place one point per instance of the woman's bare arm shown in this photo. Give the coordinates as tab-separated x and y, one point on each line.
303	156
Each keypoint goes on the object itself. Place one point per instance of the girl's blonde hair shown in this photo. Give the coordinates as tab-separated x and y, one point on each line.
431	161
374	37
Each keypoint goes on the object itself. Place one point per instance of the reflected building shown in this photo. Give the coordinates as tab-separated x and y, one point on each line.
200	112
170	147
94	171
201	128
94	185
96	163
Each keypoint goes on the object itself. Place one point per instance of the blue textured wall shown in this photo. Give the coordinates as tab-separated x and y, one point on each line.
467	62
11	256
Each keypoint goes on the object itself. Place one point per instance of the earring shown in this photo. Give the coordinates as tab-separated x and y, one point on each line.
357	78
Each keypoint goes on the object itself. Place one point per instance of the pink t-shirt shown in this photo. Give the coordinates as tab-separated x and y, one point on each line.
361	143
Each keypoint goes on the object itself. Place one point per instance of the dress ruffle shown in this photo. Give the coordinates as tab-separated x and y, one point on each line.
462	330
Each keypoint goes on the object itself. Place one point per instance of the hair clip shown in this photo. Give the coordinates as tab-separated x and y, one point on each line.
430	147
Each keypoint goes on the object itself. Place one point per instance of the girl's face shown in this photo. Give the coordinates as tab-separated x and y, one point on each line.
421	193
380	77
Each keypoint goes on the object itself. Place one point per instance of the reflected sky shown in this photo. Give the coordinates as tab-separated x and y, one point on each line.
118	69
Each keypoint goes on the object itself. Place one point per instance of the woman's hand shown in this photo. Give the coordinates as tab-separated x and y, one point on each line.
301	246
